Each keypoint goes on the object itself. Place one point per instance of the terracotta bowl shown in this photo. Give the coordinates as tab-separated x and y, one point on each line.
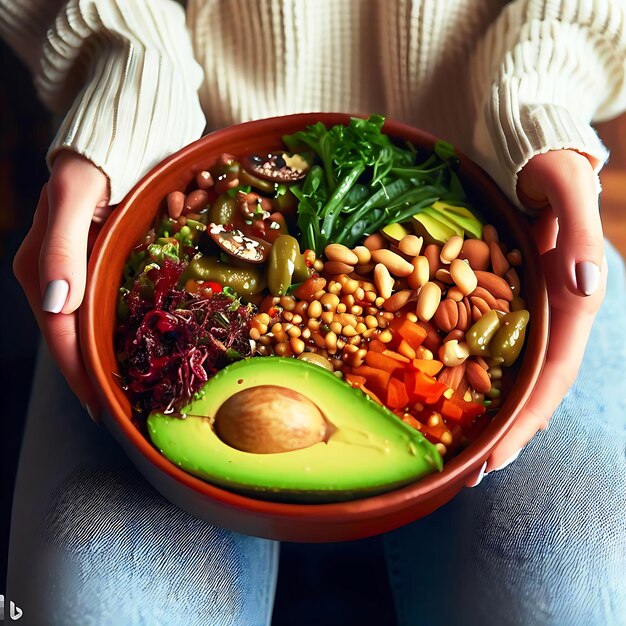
289	522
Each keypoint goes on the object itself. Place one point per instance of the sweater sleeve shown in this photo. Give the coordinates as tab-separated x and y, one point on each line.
545	70
122	72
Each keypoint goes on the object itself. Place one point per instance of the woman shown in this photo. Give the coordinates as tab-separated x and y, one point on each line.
515	85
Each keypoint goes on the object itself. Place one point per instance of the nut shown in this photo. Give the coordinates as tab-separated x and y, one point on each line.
204	180
513	280
375	242
398	299
411	245
490	234
498	261
464	315
428	301
196	201
444	276
362	254
383	280
175	204
420	274
340	253
480	304
477	253
480	292
393	262
453	353
495	285
464	277
514	257
451	249
447	315
337	267
432	252
477	376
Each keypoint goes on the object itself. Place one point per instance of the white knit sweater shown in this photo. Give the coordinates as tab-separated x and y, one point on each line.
138	79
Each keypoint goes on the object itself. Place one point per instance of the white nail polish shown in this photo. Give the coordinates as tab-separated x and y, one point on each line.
481	473
587	277
55	296
508	462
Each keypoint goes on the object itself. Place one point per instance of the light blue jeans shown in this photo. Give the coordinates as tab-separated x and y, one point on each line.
542	542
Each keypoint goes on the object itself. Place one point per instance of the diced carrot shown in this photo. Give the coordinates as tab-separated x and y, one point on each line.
451	411
397	356
379	361
376	380
432	339
412	333
460	411
375	345
432	367
354	380
397	397
426	389
359	383
406	350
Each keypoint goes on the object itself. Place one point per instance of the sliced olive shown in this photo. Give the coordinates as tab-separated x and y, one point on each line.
223	210
245	281
279	167
235	243
508	341
248	178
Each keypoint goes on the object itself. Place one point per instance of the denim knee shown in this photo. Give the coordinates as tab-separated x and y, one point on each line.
116	552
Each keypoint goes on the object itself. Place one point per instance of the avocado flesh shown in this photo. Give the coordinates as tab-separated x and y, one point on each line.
394	232
431	228
461	216
370	451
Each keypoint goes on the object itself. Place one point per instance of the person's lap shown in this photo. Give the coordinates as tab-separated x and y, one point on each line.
542	542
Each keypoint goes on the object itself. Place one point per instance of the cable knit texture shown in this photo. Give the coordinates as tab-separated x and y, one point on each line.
502	81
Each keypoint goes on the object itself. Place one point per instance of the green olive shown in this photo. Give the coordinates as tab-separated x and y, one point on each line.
481	333
223	210
286	203
246	281
282	263
509	339
246	178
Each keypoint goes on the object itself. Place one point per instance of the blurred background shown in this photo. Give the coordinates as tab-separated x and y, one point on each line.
25	132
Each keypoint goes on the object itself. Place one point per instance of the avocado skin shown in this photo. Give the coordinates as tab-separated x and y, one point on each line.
371	451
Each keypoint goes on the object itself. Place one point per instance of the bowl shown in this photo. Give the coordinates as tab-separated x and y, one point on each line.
274	520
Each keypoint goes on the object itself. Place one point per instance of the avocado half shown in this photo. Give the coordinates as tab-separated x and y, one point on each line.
369	450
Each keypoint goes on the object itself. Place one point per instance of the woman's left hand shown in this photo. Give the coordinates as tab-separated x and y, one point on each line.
569	237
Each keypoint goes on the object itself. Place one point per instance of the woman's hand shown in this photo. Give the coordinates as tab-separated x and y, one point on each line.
569	237
51	263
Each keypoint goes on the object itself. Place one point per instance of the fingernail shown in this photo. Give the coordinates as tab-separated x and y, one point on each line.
587	277
481	473
92	414
55	296
507	463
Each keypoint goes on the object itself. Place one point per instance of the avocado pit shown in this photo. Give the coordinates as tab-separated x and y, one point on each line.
269	419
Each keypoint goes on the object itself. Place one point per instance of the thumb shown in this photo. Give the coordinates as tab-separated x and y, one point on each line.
75	189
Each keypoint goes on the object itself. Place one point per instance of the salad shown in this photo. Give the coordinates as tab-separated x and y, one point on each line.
320	322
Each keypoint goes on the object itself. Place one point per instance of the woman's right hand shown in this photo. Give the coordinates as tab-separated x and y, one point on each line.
51	264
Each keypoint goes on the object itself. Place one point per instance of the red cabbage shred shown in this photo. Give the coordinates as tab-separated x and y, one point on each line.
171	343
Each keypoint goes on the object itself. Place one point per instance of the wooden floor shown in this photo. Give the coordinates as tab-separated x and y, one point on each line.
613	178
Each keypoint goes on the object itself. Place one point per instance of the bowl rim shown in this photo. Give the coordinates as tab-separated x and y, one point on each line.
366	508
